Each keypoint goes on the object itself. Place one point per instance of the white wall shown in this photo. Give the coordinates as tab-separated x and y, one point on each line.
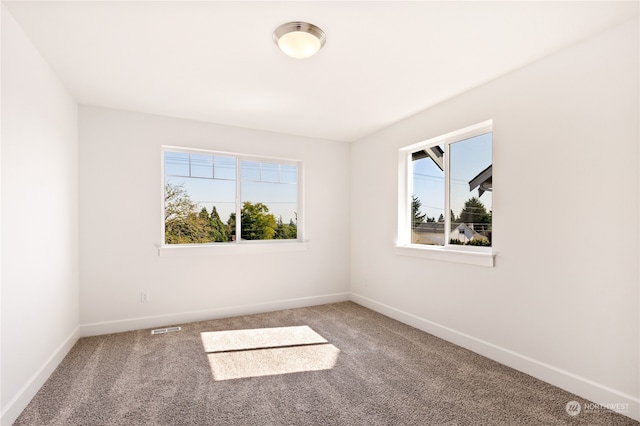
40	312
120	227
562	302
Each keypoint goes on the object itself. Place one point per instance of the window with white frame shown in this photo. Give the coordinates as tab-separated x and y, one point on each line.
205	193
446	191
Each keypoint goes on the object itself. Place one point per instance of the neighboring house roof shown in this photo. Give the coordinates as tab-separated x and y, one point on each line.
437	228
434	227
483	181
434	152
469	233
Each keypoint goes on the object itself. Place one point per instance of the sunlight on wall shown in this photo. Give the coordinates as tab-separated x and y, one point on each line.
235	354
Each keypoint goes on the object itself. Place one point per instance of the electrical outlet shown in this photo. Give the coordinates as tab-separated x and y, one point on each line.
144	296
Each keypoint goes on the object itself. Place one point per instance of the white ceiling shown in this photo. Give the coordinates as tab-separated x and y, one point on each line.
216	61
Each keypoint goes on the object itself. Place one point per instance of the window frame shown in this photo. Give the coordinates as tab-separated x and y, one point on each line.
482	256
238	246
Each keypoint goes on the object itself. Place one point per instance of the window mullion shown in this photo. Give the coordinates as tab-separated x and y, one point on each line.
408	231
447	196
238	201
299	216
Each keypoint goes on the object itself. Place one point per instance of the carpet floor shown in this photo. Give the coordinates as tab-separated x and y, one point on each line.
371	370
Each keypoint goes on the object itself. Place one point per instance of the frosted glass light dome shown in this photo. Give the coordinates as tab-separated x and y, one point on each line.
299	39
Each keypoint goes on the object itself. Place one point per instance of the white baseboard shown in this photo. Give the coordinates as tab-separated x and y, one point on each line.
13	409
98	328
621	402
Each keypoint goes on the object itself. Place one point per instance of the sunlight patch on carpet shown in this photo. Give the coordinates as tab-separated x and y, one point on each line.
235	354
269	362
259	338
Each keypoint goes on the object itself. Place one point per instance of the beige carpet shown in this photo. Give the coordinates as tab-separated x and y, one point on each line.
370	371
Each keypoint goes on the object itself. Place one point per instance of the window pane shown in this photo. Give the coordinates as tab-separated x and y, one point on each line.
427	204
224	168
269	204
201	199
288	173
250	170
269	172
202	166
470	190
176	163
198	207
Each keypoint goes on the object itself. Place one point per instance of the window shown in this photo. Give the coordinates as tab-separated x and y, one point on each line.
206	192
446	192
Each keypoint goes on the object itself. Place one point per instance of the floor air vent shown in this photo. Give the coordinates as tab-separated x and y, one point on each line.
165	330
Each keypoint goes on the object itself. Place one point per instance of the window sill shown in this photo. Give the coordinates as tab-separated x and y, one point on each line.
448	255
230	248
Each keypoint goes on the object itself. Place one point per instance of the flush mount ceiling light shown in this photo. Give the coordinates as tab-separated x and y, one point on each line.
299	39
